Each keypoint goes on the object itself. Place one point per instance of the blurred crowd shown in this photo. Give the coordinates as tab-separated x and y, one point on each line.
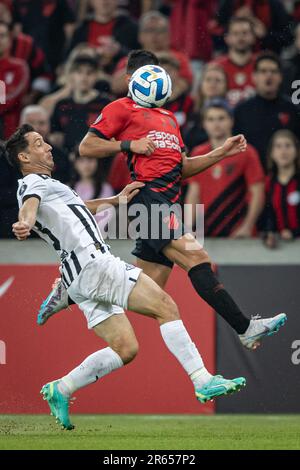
235	68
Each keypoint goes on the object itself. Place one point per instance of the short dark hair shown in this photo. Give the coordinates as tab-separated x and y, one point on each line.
139	57
217	103
267	55
17	143
239	20
84	59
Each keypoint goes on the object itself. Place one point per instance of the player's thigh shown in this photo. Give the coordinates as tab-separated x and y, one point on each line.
149	299
158	272
118	333
186	252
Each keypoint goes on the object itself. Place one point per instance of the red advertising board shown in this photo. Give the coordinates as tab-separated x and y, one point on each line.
31	355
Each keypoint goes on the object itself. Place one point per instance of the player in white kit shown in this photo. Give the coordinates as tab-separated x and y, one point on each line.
101	284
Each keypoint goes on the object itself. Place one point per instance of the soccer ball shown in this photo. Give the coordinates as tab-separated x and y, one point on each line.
150	86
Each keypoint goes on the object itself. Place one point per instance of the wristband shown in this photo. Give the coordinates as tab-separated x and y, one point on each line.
125	145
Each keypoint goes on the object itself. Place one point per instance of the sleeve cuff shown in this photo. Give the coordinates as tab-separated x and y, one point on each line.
93	130
28	196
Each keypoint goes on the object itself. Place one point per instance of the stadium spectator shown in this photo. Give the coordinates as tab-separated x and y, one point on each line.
232	191
180	103
154	36
8	196
272	23
282	213
38	118
291	62
14	74
49	22
73	115
238	63
213	84
260	116
112	33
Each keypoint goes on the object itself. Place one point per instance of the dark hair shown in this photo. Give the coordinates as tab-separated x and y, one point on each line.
139	57
267	55
218	103
84	59
17	143
289	135
239	20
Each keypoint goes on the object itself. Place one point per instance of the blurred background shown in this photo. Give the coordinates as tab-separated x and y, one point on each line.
235	67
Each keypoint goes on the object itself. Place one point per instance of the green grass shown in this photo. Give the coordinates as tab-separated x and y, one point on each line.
174	432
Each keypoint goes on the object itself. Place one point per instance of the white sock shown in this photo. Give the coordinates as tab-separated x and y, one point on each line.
178	341
90	370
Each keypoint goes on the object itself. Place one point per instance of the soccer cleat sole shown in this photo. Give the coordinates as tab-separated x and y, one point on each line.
239	385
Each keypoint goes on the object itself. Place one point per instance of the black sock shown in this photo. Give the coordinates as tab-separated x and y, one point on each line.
209	288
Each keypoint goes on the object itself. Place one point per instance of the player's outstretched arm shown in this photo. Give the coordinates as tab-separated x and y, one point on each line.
94	146
125	196
27	218
194	165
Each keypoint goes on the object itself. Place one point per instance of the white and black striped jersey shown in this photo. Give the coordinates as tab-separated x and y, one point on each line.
63	220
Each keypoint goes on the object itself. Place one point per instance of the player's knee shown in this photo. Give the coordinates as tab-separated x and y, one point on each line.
168	310
126	347
196	257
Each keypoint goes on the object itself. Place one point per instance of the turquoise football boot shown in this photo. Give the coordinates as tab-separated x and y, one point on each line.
218	386
58	404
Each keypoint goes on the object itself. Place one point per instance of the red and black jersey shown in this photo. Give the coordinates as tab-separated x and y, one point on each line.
24	47
125	120
283	205
224	189
182	107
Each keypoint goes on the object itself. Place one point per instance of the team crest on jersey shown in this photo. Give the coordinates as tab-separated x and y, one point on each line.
240	78
22	189
294	198
98	119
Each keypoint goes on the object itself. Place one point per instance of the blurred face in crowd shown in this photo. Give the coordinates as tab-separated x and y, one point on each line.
39	120
84	78
38	154
240	37
284	152
105	8
267	79
213	83
5	14
154	35
217	123
4	39
86	167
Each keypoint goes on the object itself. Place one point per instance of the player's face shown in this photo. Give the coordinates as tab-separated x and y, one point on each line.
84	79
4	39
267	78
38	155
240	37
217	123
155	36
213	84
40	122
284	152
86	167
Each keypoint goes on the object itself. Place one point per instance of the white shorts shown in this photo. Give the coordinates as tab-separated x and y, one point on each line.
103	287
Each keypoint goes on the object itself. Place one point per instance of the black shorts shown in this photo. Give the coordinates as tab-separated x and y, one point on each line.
160	222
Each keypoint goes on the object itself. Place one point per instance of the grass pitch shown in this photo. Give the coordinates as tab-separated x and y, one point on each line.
172	432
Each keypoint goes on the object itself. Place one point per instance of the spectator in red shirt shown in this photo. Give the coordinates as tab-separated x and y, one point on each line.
232	191
282	213
112	33
154	36
238	63
14	73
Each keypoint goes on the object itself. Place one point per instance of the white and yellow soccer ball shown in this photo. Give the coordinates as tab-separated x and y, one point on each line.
150	86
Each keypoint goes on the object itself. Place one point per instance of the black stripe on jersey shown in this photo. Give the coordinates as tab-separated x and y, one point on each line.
284	205
167	177
69	271
28	196
46	231
85	222
223	195
98	133
226	211
76	262
66	283
229	227
44	177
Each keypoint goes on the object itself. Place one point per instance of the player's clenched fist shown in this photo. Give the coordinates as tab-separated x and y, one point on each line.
21	230
142	146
